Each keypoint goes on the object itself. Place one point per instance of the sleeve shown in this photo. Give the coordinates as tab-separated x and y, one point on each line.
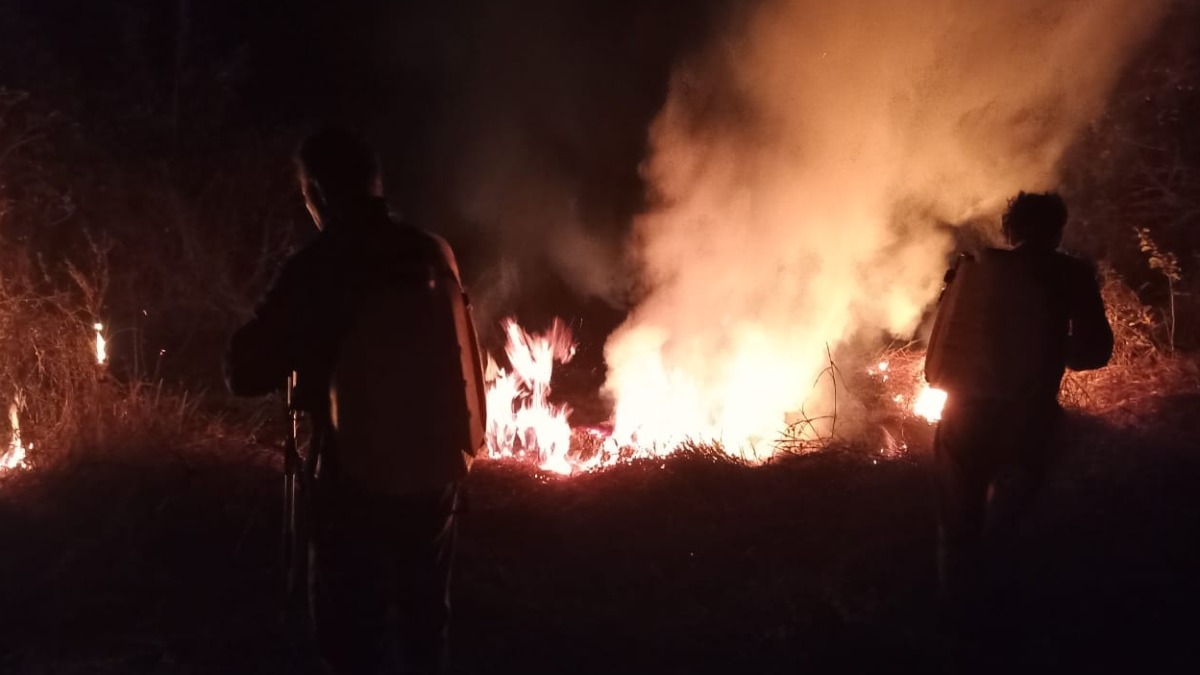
258	360
1090	343
951	272
447	254
469	342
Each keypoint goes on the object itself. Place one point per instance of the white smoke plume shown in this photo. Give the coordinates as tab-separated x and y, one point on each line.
807	168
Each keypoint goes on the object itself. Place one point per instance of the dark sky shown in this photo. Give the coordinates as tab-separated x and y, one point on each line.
367	61
576	80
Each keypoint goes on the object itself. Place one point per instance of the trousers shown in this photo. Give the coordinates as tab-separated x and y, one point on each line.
372	553
977	444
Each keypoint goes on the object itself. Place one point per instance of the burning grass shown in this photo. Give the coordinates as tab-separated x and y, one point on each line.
526	425
63	403
885	403
49	378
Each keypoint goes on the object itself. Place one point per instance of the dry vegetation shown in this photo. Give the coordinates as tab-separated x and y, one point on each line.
820	562
166	260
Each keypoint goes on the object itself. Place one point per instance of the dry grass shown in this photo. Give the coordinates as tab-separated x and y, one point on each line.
48	365
69	406
1127	388
693	563
1142	371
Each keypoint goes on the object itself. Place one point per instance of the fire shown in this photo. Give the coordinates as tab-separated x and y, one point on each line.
522	423
14	456
669	388
101	344
929	403
926	401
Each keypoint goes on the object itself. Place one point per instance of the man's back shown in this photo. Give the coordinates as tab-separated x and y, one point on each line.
299	323
1012	321
405	384
374	309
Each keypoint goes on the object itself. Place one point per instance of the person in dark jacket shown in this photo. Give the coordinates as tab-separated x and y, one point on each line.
1027	313
372	547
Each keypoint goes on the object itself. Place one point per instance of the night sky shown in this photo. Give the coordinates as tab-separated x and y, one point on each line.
422	79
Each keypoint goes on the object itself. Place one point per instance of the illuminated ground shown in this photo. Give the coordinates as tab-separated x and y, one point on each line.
820	563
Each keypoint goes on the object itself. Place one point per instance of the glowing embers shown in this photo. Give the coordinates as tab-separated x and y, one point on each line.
13	456
880	370
522	423
903	381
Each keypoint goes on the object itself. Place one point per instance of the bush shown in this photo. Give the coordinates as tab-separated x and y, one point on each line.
166	260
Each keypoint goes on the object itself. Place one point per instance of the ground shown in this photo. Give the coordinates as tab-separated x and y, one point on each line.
168	562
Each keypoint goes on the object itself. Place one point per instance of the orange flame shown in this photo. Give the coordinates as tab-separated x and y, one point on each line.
929	404
522	423
14	456
101	344
926	402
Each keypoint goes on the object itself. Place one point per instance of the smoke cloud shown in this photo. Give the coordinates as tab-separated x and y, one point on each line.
807	169
542	135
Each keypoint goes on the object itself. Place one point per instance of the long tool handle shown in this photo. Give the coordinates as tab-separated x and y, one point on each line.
291	470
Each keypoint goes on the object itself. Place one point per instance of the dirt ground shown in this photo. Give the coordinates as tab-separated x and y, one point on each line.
168	562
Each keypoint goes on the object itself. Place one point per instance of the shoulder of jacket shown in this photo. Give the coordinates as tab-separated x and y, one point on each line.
1077	264
963	258
307	256
440	245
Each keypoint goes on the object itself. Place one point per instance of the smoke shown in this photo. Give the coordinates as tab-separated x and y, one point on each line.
544	132
807	169
532	210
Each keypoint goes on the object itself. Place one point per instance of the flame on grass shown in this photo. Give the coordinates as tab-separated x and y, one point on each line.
101	344
929	403
14	455
522	422
906	387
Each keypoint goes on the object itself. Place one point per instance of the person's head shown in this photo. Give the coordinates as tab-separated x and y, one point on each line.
336	167
1035	220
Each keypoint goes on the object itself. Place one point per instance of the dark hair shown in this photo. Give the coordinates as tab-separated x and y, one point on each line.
1035	219
339	161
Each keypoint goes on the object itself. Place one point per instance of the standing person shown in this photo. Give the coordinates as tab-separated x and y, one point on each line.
372	319
1009	324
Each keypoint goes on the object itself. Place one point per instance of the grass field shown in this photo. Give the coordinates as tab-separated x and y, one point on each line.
166	561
